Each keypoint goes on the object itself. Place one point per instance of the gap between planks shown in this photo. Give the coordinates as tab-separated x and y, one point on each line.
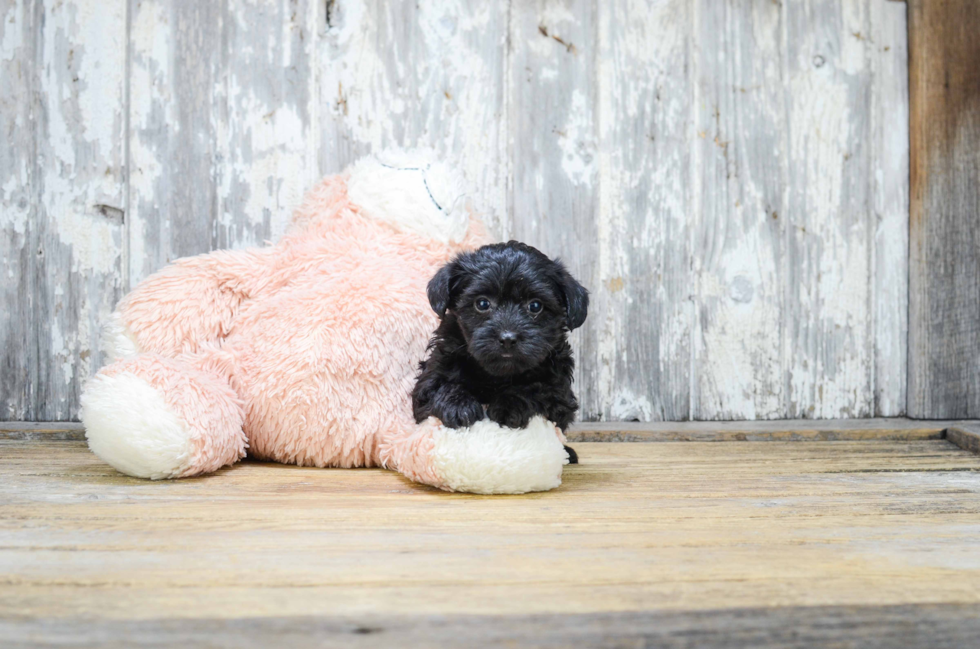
965	434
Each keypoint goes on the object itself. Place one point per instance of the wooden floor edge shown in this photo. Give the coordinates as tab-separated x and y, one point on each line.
811	435
965	433
53	431
786	430
966	436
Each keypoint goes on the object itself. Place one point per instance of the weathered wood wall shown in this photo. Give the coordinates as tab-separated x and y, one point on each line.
63	183
730	177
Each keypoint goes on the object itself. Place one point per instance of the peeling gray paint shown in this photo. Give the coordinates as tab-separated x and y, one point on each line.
552	135
66	126
726	176
18	211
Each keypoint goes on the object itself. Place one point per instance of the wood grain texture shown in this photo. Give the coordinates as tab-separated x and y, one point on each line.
944	273
966	436
800	301
42	430
741	154
266	141
830	224
919	626
176	77
81	193
657	431
761	431
63	197
827	226
221	144
644	208
890	173
553	149
409	74
19	360
673	527
768	248
728	178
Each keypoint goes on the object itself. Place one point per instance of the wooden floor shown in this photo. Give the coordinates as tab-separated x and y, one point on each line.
672	544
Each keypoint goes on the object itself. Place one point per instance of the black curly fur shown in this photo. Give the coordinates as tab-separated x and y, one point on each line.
504	362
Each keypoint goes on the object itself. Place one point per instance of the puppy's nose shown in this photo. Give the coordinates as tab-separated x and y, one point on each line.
507	339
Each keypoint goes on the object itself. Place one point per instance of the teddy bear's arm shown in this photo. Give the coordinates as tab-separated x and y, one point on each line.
190	302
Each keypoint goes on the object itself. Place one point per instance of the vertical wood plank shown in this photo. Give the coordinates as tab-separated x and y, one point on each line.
18	211
890	112
741	158
80	193
265	144
554	153
222	142
944	275
175	72
643	307
828	346
411	75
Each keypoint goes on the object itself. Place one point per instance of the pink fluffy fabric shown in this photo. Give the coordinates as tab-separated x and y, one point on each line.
306	352
211	411
307	349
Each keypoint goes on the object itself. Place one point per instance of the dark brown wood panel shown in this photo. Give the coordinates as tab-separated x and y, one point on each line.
944	274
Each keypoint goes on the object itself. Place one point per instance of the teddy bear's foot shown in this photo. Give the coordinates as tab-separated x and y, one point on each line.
152	417
485	458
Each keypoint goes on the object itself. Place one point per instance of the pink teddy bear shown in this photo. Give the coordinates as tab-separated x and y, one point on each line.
306	352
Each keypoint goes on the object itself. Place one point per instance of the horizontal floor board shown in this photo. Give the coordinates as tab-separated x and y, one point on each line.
936	626
636	527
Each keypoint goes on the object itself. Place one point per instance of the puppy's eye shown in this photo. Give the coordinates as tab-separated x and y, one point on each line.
482	304
535	306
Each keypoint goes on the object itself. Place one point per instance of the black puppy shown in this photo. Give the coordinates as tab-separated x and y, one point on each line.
506	311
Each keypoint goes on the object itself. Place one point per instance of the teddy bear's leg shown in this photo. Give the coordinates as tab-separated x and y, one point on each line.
187	303
155	417
485	458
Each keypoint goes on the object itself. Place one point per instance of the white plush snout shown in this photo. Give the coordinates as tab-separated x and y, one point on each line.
487	458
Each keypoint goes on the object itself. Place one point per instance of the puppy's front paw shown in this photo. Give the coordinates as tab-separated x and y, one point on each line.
510	412
462	415
572	455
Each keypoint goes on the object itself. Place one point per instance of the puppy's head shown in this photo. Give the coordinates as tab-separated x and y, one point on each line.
511	302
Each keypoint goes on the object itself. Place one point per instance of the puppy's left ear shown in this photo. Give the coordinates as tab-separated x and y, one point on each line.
439	289
576	298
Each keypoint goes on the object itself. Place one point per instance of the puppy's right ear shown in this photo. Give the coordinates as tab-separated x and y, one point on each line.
439	289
